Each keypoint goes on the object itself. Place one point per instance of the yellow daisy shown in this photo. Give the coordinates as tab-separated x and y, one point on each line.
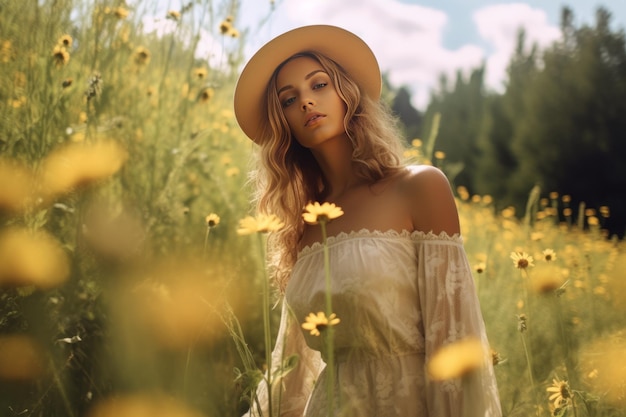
480	267
212	220
60	56
263	223
549	255
65	41
142	56
315	212
316	323
522	260
560	393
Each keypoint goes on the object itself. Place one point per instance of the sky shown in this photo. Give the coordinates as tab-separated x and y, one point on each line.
416	41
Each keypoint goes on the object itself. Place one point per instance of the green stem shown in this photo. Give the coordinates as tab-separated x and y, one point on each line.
528	361
266	327
330	364
206	241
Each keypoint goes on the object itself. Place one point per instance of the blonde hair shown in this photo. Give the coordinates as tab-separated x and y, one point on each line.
288	177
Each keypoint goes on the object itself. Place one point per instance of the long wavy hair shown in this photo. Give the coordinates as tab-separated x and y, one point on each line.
287	176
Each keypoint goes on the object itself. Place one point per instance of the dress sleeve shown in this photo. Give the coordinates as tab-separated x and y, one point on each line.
291	391
450	312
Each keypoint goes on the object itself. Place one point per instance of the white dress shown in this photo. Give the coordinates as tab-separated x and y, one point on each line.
400	296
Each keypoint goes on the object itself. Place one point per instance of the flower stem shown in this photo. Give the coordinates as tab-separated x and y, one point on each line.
529	363
266	327
206	241
330	364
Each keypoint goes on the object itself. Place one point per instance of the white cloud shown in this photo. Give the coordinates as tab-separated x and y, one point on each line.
499	26
408	38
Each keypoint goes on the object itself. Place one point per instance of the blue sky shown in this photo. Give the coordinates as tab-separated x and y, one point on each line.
417	40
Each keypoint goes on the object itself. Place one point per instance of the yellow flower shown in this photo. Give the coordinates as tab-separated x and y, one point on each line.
508	212
549	255
462	192
65	41
522	260
80	165
263	223
120	12
316	323
60	56
440	155
605	211
21	359
456	359
18	249
212	220
232	172
142	56
200	73
480	267
496	359
561	394
416	143
315	213
566	198
205	94
15	194
173	15
225	26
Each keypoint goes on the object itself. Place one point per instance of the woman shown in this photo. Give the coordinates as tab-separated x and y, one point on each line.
401	283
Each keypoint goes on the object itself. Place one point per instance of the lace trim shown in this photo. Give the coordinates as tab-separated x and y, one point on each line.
416	235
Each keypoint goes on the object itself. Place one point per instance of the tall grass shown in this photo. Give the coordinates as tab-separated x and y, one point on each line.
117	143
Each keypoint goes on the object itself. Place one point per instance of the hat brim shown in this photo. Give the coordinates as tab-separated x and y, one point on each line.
343	47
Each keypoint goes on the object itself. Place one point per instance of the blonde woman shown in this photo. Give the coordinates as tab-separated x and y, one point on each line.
400	282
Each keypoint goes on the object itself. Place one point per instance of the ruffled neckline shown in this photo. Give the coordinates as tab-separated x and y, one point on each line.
416	235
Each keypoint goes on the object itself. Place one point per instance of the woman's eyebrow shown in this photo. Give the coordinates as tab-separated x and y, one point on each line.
306	77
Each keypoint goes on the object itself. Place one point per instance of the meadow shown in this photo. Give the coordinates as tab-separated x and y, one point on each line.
125	287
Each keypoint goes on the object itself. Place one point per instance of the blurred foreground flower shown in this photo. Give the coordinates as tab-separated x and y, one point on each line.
175	305
547	279
604	362
262	223
315	212
142	406
32	258
456	359
80	165
20	358
317	323
113	233
16	184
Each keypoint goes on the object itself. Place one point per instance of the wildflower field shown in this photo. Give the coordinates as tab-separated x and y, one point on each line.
132	279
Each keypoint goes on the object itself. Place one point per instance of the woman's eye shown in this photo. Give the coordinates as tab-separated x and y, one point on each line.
288	101
319	85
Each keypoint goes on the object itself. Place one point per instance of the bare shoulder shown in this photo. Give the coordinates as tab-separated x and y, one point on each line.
429	196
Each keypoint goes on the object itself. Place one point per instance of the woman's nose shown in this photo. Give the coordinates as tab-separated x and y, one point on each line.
307	102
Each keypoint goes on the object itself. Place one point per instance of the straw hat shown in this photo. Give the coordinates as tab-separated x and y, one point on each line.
343	47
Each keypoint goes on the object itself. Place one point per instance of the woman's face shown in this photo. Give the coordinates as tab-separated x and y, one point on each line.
310	103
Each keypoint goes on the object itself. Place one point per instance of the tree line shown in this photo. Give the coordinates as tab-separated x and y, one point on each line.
559	124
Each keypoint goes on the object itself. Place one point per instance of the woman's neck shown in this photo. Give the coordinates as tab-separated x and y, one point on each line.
335	160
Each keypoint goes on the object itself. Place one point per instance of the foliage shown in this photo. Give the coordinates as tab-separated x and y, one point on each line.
558	123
